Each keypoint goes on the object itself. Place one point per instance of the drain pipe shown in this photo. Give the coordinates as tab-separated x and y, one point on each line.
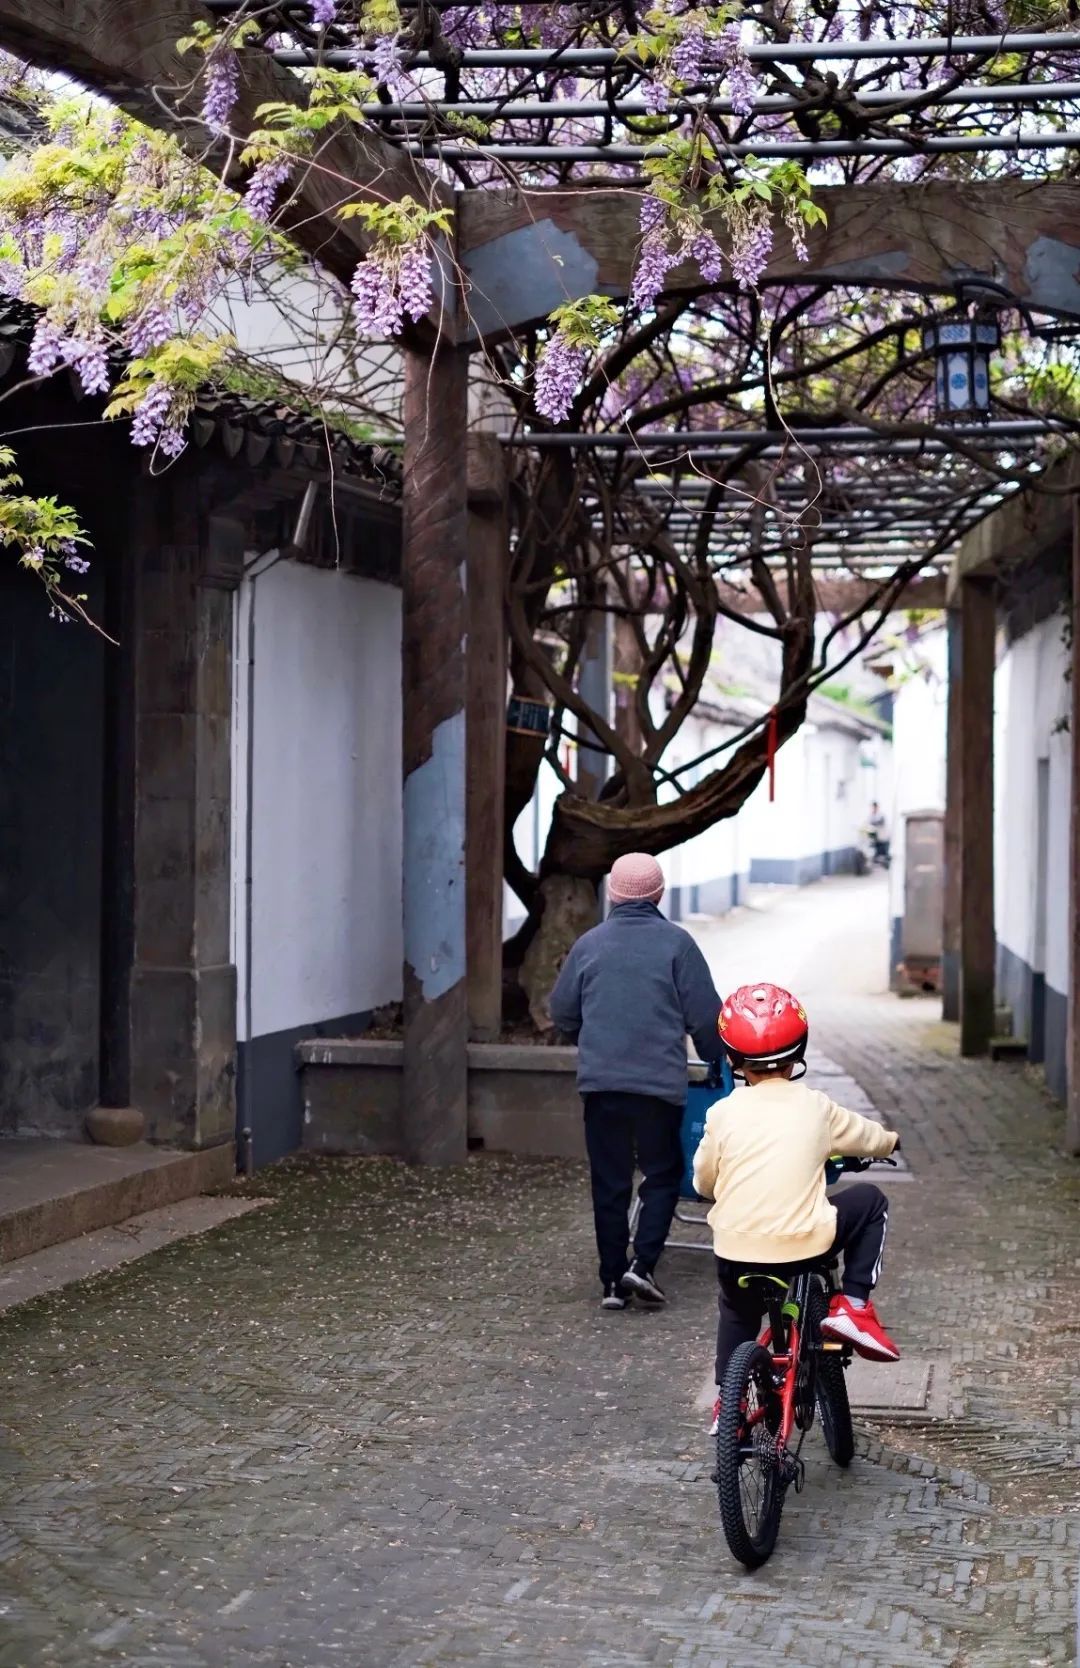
254	571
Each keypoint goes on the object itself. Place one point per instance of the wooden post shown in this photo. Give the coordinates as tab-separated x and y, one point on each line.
434	624
977	943
950	955
1072	1111
486	672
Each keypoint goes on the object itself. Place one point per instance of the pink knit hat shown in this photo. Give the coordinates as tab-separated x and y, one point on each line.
636	878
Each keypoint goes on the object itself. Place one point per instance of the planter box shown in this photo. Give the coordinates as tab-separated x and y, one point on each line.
525	1100
522	1099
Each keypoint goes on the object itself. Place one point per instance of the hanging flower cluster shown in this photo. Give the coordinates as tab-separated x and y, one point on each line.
395	277
47	537
685	47
580	327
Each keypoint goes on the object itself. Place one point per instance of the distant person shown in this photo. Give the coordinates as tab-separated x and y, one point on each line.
879	833
629	993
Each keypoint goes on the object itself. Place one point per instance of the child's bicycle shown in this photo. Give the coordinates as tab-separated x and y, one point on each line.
770	1393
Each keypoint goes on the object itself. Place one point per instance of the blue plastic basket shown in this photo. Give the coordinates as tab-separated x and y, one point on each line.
699	1097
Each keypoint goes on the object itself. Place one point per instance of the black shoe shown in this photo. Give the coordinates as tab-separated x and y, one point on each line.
614	1297
639	1280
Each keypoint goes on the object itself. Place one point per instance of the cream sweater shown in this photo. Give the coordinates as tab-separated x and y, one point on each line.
762	1158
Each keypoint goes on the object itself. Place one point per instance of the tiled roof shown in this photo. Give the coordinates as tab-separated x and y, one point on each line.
248	427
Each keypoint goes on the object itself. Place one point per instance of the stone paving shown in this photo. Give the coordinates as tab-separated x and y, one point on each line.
382	1424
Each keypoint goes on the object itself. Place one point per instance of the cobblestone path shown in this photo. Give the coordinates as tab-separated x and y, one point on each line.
382	1424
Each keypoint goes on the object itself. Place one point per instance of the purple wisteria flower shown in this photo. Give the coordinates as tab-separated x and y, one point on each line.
558	377
653	213
263	187
656	96
414	281
151	414
323	13
386	64
687	56
222	87
704	249
88	358
741	81
171	441
44	355
378	306
751	248
655	261
72	560
149	329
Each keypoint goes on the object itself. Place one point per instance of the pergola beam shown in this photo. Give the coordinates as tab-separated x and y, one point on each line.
525	252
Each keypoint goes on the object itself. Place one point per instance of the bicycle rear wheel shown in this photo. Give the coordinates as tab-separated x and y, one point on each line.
831	1389
748	1476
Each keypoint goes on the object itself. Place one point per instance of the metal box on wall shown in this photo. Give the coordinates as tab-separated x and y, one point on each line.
922	926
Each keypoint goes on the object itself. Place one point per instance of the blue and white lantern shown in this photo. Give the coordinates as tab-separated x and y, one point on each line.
962	348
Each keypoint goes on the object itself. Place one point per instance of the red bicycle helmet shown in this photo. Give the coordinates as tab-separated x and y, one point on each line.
764	1027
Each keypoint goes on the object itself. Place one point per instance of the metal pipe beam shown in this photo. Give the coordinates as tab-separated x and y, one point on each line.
760	52
1027	92
1005	428
814	150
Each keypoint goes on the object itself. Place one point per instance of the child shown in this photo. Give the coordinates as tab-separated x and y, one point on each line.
762	1158
629	992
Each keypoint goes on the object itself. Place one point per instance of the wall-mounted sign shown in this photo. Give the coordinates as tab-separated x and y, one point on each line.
528	718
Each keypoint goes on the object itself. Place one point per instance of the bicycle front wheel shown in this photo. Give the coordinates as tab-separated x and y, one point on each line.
747	1470
831	1390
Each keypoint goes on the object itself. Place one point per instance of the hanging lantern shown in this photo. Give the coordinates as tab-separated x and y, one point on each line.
962	347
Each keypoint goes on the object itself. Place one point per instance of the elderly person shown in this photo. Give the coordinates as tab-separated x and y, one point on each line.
629	992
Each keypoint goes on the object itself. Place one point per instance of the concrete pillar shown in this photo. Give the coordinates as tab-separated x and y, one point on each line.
595	685
183	984
977	940
1072	1112
434	626
950	957
486	674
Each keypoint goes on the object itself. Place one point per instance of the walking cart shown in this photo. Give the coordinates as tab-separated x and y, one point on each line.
707	1085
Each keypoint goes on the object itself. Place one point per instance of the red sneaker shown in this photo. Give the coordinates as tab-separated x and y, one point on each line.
860	1328
715	1426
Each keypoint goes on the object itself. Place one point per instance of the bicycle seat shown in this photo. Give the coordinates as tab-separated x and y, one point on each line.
763	1276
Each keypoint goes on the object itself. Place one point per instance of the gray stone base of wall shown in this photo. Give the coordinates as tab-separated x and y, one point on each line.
522	1099
706	897
803	871
268	1091
1040	1015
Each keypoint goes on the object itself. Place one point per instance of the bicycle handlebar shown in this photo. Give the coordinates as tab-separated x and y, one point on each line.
861	1163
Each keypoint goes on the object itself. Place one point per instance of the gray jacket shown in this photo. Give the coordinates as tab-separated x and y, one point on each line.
629	992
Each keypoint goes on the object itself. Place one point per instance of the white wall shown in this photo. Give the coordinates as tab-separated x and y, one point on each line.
1031	696
826	779
293	324
326	805
920	717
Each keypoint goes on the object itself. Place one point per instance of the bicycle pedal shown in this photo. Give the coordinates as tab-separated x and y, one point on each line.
800	1476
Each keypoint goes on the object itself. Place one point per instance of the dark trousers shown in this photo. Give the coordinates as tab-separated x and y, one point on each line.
862	1217
620	1129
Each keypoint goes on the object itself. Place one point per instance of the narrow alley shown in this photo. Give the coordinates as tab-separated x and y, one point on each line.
381	1422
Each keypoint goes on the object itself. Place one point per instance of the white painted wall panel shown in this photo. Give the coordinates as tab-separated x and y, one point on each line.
326	813
920	724
1031	696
